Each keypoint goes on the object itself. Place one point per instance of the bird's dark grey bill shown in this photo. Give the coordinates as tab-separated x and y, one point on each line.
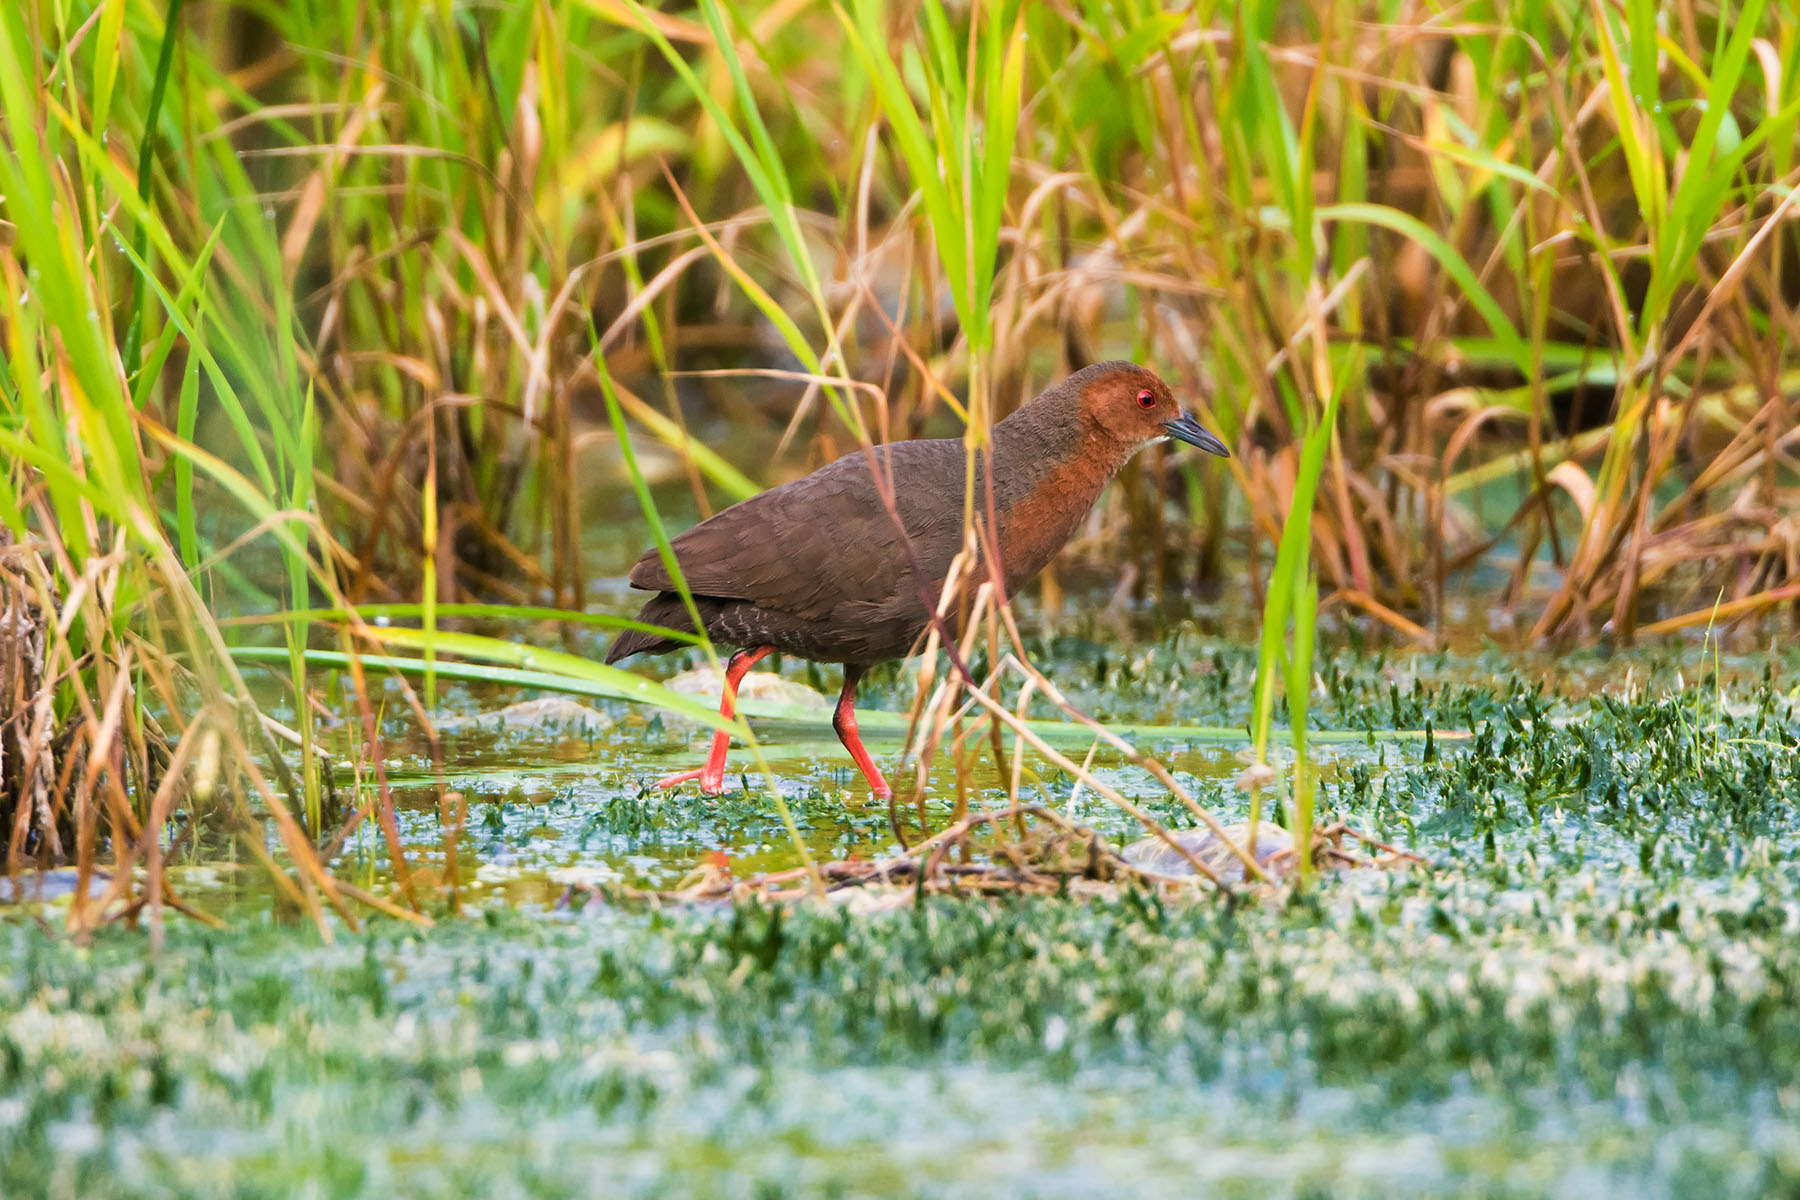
1184	428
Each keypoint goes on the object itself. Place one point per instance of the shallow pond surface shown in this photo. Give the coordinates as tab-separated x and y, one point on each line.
1592	989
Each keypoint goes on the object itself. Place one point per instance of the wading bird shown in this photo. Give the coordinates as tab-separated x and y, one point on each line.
819	568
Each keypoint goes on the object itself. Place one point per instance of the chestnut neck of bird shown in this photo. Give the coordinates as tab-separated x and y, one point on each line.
1049	468
1050	447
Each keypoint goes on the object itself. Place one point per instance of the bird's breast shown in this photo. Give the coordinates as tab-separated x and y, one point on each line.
1035	528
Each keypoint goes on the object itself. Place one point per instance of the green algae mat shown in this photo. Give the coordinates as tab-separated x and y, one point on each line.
1590	988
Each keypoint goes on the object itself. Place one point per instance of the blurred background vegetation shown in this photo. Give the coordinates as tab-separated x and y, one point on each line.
325	322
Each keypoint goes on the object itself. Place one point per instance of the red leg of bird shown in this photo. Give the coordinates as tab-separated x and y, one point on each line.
844	721
712	775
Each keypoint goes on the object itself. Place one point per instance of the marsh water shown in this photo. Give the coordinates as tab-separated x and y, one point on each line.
1589	988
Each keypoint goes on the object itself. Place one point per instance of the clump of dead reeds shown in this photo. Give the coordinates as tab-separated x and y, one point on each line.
1031	851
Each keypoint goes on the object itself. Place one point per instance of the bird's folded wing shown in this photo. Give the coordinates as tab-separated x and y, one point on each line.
806	547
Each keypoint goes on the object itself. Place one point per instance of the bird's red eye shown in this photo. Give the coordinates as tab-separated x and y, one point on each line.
1146	399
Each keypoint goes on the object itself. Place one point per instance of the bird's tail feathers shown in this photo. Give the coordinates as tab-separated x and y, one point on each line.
665	610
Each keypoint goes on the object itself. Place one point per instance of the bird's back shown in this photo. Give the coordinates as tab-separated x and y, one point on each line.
818	567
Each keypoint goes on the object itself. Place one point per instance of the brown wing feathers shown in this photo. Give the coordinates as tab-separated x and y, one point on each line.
821	551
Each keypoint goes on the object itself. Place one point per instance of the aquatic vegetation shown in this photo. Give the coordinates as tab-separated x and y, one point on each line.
1557	1016
1591	977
